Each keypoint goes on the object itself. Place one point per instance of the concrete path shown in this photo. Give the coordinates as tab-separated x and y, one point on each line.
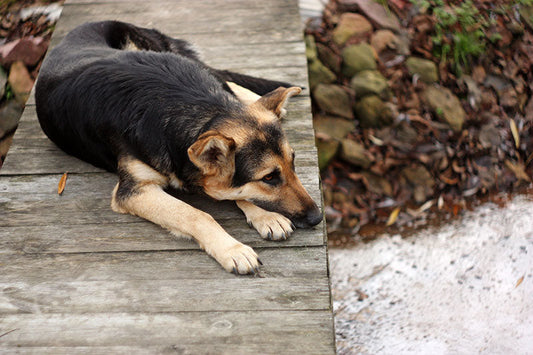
463	289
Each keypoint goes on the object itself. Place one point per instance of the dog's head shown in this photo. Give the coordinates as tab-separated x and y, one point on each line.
249	158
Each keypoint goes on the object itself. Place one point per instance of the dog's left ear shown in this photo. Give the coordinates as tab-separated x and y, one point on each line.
212	152
276	100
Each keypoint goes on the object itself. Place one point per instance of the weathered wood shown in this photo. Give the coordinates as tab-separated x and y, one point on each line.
145	282
272	332
301	262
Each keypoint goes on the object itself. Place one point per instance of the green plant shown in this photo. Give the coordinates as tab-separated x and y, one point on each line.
9	92
459	32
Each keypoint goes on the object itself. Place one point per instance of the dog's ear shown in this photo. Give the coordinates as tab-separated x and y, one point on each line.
244	95
276	100
212	152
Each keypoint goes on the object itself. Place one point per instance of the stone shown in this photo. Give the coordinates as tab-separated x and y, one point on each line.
383	39
372	112
319	73
426	69
354	153
421	180
508	98
334	127
369	82
406	134
328	57
20	81
526	15
377	184
357	58
350	25
3	82
327	149
446	106
498	82
10	113
28	50
333	99
378	15
489	136
310	48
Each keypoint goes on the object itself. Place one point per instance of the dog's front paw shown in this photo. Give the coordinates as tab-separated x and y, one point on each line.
272	225
239	259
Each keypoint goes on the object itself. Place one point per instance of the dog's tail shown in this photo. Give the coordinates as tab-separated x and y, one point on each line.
123	35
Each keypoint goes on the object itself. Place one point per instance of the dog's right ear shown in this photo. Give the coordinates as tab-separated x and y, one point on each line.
212	152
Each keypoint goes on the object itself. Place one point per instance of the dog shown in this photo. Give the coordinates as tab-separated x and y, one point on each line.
136	102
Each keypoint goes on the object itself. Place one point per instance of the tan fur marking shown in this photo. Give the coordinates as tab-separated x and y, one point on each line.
144	173
130	46
175	182
244	95
237	132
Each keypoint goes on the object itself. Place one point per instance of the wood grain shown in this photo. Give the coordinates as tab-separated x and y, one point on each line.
263	332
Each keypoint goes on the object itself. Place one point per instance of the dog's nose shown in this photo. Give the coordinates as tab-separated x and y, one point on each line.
313	217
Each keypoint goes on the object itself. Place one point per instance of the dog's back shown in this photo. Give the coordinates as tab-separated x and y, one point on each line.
119	100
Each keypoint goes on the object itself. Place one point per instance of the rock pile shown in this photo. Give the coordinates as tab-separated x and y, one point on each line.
397	128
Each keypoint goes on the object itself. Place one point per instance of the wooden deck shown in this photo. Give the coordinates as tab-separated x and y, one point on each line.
76	277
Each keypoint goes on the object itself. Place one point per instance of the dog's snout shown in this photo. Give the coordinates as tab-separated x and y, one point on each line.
311	218
314	217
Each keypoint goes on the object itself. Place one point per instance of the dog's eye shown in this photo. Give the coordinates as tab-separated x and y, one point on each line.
272	178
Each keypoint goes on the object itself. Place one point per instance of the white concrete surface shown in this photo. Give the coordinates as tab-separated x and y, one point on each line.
450	291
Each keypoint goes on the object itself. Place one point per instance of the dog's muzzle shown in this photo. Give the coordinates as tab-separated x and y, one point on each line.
312	217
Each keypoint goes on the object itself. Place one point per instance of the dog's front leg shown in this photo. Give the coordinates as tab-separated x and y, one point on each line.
140	192
270	225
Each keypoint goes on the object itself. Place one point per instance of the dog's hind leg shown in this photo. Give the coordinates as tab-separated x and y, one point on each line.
140	192
270	225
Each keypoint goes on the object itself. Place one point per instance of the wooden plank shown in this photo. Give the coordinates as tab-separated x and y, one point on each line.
273	332
137	235
300	262
145	282
181	16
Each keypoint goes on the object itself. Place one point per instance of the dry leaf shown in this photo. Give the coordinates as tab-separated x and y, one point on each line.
456	209
393	216
440	202
519	281
518	169
375	140
62	183
514	131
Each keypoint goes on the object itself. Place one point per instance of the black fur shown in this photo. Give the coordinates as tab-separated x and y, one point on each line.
98	102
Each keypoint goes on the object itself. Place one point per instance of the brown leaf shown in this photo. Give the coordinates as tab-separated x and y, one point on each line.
62	183
447	180
514	131
393	216
519	281
518	169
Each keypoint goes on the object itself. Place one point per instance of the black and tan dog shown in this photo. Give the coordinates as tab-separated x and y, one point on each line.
137	102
